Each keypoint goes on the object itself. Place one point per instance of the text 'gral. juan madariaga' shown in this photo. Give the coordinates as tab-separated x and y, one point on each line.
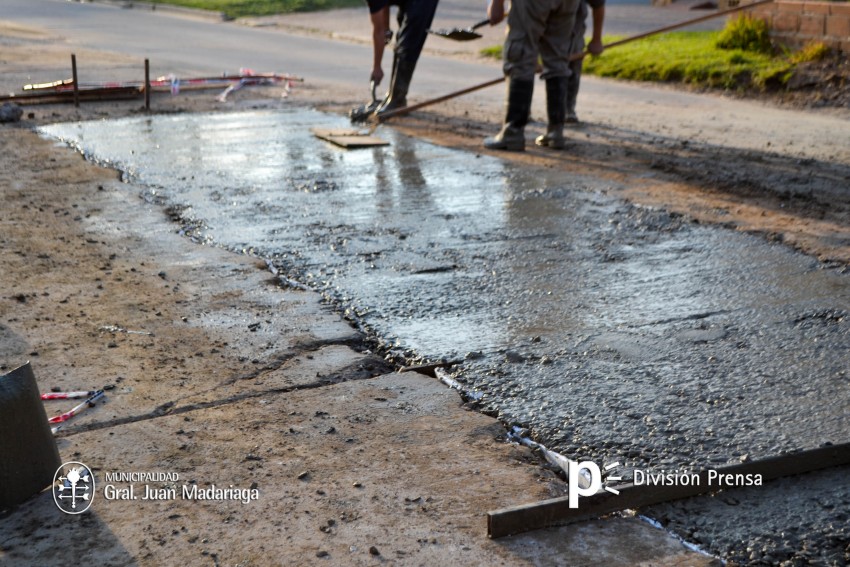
167	486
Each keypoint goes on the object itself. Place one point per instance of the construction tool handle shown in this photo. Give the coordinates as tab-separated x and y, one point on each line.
482	23
407	109
672	27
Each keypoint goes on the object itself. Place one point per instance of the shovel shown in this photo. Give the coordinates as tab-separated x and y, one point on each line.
363	112
458	34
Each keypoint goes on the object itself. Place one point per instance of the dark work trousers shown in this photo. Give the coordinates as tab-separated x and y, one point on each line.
414	21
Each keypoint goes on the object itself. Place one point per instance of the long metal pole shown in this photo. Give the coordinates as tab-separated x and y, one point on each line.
687	23
76	82
147	84
408	109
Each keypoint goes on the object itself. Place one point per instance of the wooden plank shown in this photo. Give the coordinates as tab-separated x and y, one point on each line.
348	137
556	511
51	85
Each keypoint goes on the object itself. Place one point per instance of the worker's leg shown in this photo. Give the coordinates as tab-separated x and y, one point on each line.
526	22
415	17
556	95
555	47
577	46
573	83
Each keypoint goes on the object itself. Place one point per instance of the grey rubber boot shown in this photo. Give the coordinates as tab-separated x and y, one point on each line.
517	108
399	85
556	99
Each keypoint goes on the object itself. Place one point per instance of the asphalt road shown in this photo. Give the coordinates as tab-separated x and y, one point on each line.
184	45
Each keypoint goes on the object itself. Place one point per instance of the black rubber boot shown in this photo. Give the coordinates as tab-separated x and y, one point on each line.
517	108
572	94
556	98
399	85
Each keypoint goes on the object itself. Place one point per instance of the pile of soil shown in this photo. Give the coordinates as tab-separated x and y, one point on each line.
819	84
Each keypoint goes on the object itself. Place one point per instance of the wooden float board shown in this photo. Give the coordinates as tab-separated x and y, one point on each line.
348	137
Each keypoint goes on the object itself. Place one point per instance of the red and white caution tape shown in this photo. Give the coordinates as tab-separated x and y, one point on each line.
67	395
90	402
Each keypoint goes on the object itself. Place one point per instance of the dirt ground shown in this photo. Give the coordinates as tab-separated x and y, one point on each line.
224	377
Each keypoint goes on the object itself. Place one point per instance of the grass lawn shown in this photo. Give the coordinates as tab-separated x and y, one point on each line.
692	58
240	8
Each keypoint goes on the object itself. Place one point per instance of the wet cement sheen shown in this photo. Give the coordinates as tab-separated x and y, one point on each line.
610	331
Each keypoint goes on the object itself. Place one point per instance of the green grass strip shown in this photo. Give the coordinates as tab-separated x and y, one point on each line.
691	58
686	57
243	8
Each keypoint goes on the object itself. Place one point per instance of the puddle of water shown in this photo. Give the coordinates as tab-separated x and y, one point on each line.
609	330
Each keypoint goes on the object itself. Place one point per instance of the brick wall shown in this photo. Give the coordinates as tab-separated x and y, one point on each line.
796	23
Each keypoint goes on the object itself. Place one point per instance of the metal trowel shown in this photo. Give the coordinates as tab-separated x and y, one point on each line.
459	34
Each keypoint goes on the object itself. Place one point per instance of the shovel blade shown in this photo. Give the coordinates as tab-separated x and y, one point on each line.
457	34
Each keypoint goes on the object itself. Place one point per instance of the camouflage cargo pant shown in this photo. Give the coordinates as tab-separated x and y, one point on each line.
539	27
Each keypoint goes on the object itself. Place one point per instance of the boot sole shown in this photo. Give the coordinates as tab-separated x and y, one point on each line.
503	146
546	144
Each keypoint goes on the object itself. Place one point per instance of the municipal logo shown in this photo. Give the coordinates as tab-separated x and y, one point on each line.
73	487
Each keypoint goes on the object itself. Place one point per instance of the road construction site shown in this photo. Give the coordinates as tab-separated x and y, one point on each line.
666	301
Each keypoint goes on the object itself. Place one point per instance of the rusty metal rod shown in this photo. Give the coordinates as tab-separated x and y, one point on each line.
408	109
556	511
74	78
684	24
147	84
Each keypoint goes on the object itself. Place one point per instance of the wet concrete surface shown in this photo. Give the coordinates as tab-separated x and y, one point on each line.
608	331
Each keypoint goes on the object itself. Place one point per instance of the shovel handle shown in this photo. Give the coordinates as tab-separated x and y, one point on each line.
481	24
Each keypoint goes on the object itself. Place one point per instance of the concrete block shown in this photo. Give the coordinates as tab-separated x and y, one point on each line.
838	27
786	22
816	8
840	8
791	7
812	24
